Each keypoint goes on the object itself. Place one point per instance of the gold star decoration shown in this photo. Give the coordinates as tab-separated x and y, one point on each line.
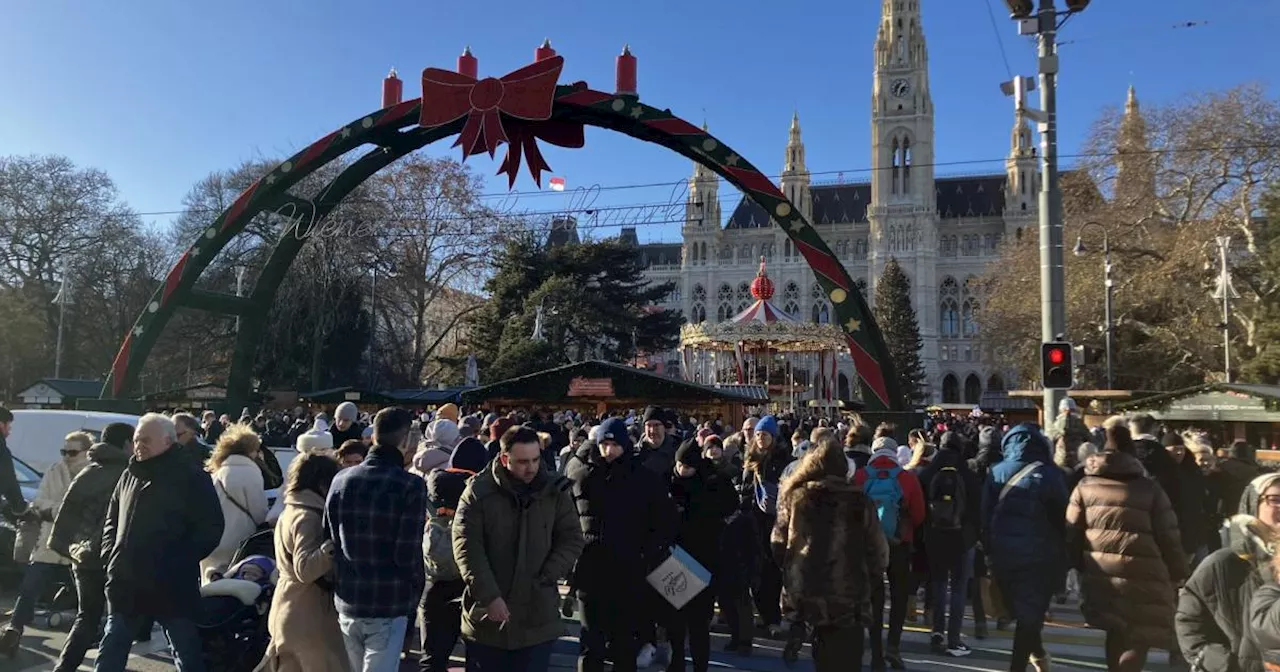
271	179
852	325
732	159
797	225
346	132
636	112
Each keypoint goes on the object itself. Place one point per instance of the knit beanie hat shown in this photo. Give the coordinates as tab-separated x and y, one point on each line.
448	412
884	447
654	413
500	427
443	434
346	411
615	429
769	425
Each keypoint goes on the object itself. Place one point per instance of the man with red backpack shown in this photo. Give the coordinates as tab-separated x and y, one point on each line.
899	503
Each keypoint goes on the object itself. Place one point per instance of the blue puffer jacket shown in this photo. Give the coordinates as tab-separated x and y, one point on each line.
1028	528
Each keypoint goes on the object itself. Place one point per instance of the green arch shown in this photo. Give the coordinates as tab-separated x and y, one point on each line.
394	132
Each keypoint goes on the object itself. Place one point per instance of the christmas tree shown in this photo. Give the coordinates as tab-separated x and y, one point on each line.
897	320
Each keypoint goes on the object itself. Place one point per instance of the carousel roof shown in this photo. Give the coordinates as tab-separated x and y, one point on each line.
762	323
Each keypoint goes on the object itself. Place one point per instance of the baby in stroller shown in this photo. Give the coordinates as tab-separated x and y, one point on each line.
233	625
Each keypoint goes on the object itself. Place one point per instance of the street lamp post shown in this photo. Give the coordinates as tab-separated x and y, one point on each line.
1109	328
1225	292
62	299
1044	25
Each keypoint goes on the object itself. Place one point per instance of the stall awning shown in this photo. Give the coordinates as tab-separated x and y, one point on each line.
1213	402
337	395
596	381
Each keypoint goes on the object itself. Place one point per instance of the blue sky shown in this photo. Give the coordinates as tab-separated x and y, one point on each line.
160	92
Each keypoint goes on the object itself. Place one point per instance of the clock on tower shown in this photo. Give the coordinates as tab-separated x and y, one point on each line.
900	88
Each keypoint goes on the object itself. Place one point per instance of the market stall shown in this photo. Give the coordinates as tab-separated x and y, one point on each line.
600	387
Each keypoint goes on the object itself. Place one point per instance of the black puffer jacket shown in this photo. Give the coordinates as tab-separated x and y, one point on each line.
1213	608
659	459
164	517
627	517
77	531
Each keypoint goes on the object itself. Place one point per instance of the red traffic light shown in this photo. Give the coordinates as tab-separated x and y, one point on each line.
1055	366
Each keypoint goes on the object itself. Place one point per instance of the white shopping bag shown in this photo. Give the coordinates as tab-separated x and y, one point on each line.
679	578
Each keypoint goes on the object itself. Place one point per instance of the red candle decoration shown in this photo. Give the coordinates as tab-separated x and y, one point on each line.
468	65
392	90
626	72
544	52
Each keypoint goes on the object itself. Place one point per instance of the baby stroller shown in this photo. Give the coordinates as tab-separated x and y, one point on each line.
56	603
233	624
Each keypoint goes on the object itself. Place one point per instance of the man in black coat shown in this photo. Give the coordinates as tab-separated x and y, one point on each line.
77	534
163	518
953	497
628	520
9	488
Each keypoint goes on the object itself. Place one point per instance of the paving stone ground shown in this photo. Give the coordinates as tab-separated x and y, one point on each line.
1072	644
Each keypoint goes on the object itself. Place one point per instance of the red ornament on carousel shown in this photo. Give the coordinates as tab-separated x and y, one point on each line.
543	52
392	90
762	286
468	65
625	73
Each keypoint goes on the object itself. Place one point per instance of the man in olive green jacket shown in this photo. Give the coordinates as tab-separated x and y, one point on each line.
515	534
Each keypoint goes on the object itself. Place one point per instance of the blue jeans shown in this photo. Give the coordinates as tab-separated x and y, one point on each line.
481	658
373	644
34	582
959	574
184	642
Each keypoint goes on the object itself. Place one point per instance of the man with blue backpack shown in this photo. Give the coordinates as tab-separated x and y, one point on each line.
899	503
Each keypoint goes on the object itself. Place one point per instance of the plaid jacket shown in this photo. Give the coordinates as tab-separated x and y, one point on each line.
375	515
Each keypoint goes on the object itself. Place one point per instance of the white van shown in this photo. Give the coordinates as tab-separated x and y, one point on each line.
37	433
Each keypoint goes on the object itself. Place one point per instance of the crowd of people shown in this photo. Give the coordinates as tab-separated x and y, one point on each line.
821	531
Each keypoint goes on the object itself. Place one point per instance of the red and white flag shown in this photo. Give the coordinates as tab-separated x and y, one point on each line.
557	184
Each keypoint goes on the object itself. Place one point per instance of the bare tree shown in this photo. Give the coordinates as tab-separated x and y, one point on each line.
436	243
1165	182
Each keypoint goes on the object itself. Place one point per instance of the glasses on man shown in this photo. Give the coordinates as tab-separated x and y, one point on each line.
70	453
1270	500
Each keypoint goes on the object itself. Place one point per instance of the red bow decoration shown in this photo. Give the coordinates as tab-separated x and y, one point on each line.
515	109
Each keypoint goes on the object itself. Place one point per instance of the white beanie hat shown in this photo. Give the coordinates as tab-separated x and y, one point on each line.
443	433
884	447
315	441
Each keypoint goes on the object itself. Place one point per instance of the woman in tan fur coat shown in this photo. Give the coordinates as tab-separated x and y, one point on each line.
829	544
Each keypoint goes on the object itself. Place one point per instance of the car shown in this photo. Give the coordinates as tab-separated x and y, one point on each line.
36	436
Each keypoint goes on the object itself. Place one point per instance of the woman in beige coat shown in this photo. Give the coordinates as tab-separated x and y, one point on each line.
303	622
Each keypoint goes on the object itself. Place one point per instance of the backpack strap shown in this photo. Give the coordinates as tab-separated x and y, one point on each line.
1022	473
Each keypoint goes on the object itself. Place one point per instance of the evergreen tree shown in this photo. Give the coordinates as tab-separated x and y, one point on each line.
595	304
897	320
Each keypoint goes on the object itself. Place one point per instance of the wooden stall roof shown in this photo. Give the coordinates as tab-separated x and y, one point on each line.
1214	402
596	381
337	395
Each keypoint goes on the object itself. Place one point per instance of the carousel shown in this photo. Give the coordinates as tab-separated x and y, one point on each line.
801	363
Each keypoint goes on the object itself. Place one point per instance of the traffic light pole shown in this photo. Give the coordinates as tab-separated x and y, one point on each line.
1053	320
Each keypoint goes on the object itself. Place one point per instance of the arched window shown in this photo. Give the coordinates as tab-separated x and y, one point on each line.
906	165
948	308
699	311
793	309
786	249
969	318
950	389
791	293
970	306
821	312
995	383
860	248
703	255
724	312
972	389
897	149
743	293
